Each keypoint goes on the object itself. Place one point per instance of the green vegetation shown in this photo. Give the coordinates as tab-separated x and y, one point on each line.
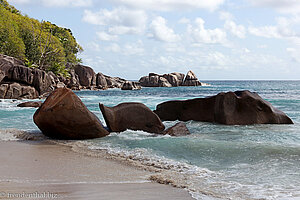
41	45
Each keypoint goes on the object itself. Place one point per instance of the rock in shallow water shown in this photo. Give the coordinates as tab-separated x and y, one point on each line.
178	129
134	116
231	108
64	116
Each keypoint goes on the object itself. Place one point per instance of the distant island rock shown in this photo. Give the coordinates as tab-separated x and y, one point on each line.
170	80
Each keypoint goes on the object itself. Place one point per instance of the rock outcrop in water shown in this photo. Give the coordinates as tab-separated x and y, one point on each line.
178	129
64	116
134	116
130	85
231	108
170	80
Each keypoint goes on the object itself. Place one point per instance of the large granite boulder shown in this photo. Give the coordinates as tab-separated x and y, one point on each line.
231	108
73	82
163	82
180	78
64	116
101	82
86	75
191	80
134	116
152	80
172	79
19	81
114	82
14	90
129	85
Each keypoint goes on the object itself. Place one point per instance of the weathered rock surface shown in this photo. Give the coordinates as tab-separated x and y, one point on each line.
34	104
14	90
101	81
191	80
129	85
169	80
178	129
73	83
64	116
114	82
21	82
231	108
86	75
163	82
134	116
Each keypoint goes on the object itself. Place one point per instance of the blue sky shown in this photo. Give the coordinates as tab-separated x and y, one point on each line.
217	39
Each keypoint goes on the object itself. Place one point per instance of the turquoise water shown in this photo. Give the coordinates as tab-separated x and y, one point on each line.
224	162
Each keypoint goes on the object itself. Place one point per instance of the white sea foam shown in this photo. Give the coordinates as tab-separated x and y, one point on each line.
9	134
16	134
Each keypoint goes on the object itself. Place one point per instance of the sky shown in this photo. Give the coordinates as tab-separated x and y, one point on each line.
216	39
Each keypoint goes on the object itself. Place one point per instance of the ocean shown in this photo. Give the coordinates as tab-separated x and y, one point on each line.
215	161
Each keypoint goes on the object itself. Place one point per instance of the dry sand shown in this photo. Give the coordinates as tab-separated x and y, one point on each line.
49	171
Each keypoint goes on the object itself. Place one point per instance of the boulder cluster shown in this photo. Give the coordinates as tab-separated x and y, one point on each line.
64	116
18	81
170	80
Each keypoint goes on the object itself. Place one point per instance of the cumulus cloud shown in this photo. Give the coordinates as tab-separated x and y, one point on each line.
160	31
56	3
230	25
106	37
127	49
284	6
208	36
168	5
281	30
119	20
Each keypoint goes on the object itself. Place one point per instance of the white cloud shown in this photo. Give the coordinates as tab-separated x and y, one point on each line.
114	47
160	31
265	31
237	30
119	20
284	6
134	48
168	5
283	29
184	20
294	53
106	37
56	3
126	49
208	36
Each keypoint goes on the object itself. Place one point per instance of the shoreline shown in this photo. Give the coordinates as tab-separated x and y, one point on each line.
45	167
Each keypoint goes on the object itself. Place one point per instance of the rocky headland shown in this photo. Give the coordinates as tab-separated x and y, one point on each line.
20	82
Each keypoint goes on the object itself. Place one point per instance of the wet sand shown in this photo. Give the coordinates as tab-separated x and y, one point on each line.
50	171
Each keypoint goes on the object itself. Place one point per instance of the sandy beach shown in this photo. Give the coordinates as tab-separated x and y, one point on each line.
42	170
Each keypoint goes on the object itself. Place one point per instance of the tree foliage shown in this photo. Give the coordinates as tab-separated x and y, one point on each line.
41	44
